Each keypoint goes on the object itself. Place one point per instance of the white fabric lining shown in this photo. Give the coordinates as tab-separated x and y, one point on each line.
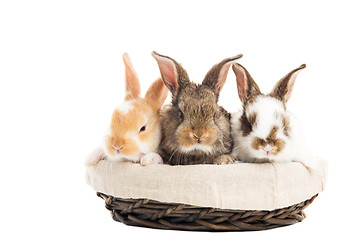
243	186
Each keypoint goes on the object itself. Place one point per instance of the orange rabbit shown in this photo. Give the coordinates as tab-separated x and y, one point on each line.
134	132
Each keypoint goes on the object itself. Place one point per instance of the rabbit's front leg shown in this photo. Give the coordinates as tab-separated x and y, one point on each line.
224	159
151	158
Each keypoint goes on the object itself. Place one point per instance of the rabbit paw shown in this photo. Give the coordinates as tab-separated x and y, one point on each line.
151	158
96	156
224	159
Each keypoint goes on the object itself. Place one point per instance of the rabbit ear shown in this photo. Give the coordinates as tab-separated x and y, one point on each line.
173	74
283	88
217	75
156	94
246	86
132	85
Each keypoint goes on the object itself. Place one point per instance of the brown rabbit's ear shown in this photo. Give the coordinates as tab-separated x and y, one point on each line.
156	94
217	75
283	88
132	85
173	74
246	86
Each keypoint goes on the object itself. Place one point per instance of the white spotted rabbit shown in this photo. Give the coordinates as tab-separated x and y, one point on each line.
265	130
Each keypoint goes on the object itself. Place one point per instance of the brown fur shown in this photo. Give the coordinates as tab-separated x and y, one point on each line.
286	126
246	86
173	80
252	118
200	119
188	137
217	75
247	124
284	87
194	116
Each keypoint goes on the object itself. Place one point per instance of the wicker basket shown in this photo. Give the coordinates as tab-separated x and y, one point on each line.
154	214
240	197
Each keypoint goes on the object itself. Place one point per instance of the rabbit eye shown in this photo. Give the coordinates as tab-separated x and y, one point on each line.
142	129
217	114
181	116
252	119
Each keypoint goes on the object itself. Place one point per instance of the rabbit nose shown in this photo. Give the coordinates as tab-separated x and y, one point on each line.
117	148
197	138
267	148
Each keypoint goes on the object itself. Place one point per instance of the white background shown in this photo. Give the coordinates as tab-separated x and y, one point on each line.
61	76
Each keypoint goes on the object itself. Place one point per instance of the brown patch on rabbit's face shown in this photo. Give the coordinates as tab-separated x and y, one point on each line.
286	126
270	145
248	123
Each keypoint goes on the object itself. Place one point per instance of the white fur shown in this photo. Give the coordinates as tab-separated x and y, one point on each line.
151	158
267	109
197	146
269	113
125	107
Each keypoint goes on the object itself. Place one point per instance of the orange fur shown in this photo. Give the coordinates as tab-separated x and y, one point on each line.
156	94
124	125
127	138
132	85
129	146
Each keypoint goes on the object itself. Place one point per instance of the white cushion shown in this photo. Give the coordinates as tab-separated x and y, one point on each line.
243	186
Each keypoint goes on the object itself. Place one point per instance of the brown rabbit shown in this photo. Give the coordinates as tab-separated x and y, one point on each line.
195	129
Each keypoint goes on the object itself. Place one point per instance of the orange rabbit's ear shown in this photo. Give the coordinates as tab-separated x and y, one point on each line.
132	85
156	94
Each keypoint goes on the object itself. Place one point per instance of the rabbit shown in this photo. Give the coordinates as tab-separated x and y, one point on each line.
265	131
195	130
134	132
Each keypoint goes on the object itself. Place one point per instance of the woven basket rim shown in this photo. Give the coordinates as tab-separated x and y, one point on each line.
154	214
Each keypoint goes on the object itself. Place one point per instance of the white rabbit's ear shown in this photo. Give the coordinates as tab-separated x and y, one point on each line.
283	88
132	85
156	94
173	75
217	75
246	86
